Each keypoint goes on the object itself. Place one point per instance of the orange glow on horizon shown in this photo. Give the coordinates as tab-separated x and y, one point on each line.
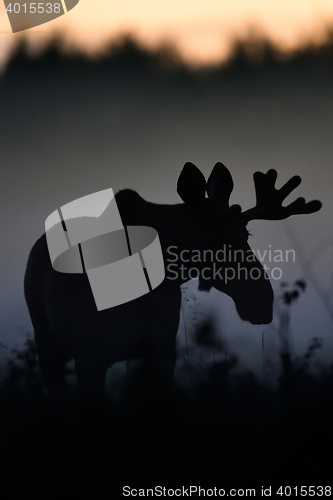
202	31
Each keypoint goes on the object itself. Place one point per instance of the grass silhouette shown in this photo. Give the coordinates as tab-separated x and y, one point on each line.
231	430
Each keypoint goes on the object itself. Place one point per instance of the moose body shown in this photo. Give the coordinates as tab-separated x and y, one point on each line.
63	312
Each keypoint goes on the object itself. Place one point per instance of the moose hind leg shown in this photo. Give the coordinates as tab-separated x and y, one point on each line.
52	360
90	378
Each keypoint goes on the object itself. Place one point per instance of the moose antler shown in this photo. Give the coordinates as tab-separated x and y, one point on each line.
269	199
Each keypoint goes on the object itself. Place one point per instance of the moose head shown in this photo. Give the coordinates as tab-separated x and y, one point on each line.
221	229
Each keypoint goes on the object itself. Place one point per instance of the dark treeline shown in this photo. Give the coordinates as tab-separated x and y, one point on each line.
251	55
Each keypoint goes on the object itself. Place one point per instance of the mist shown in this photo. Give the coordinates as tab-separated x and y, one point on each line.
71	126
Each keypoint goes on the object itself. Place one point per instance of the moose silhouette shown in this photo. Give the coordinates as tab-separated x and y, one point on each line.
64	315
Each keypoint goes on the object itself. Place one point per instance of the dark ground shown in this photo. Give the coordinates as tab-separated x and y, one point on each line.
230	432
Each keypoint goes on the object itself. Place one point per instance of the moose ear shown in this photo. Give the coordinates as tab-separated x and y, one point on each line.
191	185
220	185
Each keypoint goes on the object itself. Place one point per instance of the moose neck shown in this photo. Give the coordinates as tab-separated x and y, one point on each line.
175	229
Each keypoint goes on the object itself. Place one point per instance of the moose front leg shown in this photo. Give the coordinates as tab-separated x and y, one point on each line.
163	360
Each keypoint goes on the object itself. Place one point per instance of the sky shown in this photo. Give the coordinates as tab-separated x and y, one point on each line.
202	31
